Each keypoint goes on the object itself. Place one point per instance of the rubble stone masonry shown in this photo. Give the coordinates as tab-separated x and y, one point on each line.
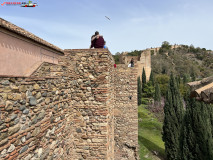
77	109
126	113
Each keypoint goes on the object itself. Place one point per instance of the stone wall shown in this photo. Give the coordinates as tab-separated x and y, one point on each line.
126	113
68	114
66	110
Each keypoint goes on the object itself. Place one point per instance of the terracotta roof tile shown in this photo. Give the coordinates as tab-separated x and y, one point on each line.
9	26
202	90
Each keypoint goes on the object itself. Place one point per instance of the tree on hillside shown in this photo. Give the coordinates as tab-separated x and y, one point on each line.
134	53
143	79
157	96
151	78
117	57
173	111
188	137
211	115
165	47
178	81
139	91
148	90
185	78
197	140
162	80
193	76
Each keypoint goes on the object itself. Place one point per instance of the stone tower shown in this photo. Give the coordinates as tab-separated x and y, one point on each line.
145	62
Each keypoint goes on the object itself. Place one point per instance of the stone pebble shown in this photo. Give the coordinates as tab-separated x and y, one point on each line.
5	82
13	116
23	139
22	107
11	148
23	149
3	153
14	129
33	101
26	111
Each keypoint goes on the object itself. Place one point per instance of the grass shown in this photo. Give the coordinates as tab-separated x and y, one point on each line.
149	136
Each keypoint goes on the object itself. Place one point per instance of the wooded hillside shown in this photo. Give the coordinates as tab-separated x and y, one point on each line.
183	61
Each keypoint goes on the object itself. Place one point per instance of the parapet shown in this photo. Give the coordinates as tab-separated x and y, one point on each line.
22	52
20	31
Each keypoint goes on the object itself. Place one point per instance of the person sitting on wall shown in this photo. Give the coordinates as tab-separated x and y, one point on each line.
132	62
92	41
105	45
97	41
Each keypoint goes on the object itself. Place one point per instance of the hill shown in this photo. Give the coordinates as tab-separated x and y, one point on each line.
183	60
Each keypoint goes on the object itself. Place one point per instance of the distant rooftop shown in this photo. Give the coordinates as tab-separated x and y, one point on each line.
202	90
9	26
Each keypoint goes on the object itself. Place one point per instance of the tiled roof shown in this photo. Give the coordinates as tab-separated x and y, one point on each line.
202	90
9	26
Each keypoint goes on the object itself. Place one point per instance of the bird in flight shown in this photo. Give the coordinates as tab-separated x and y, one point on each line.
107	17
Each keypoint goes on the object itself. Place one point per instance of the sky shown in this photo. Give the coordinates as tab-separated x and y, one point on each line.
133	24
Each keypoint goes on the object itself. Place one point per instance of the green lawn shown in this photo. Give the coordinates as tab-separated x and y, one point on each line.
149	136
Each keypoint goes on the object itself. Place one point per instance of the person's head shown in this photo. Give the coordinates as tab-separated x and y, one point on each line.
96	33
104	42
92	36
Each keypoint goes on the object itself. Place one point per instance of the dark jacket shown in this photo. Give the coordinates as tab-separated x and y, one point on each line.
98	43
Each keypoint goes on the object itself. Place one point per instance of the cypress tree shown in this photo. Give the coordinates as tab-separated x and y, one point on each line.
143	79
185	79
151	79
211	116
193	77
178	81
157	96
202	129
172	126
188	137
139	91
197	134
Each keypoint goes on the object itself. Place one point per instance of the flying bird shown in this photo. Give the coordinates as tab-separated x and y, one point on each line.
107	17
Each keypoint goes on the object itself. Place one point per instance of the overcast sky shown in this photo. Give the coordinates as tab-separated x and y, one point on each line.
134	24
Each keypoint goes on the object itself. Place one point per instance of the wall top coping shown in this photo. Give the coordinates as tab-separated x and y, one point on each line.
13	28
31	78
87	50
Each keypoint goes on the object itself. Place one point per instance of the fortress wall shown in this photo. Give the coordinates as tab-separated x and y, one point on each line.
126	113
144	61
36	118
63	111
127	59
95	68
